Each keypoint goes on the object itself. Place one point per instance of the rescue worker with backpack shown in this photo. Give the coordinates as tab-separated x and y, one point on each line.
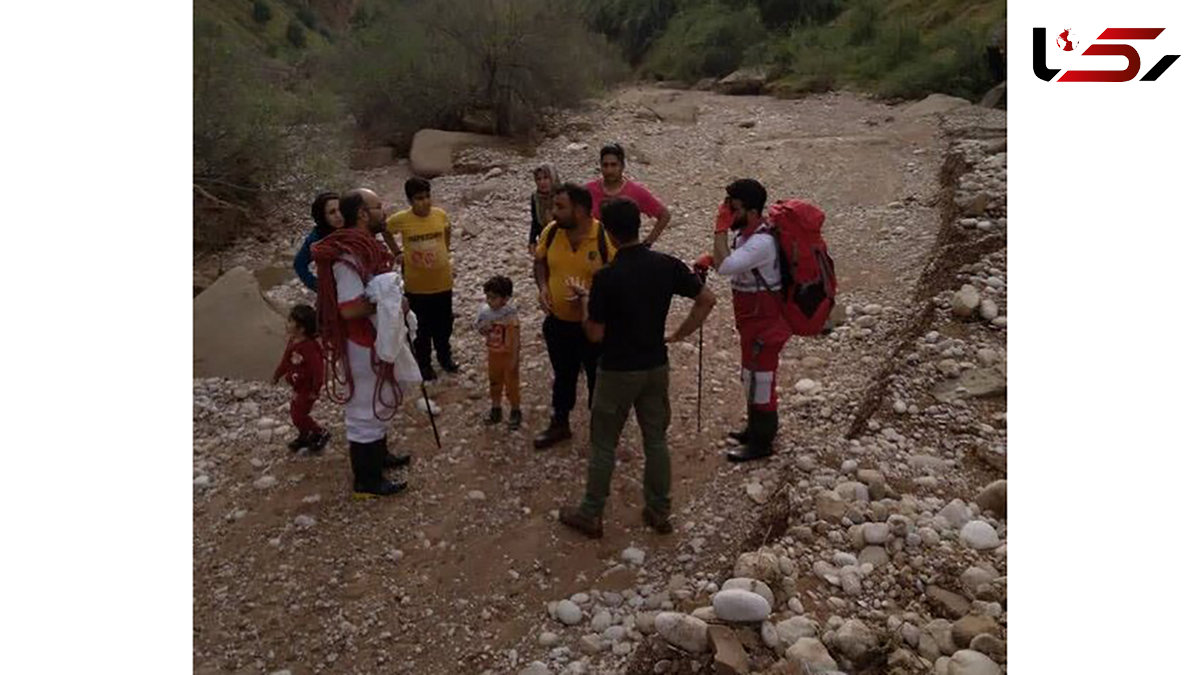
783	284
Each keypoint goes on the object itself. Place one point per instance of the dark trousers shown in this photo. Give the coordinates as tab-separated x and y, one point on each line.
435	323
569	350
648	393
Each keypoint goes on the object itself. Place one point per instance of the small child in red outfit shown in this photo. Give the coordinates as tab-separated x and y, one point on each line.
303	365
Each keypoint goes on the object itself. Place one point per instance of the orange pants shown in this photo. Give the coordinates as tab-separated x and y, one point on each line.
504	373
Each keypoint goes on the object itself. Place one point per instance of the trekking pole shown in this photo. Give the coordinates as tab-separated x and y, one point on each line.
703	274
700	381
424	394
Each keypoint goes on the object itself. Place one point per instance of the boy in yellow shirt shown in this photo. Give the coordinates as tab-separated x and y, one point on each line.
424	251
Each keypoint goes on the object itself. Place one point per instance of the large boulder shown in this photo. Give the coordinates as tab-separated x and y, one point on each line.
672	108
934	104
432	152
743	81
235	331
995	96
683	631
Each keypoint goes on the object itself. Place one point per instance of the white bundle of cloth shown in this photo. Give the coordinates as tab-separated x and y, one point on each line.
391	329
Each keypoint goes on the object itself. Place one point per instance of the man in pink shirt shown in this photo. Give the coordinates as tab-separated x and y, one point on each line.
614	184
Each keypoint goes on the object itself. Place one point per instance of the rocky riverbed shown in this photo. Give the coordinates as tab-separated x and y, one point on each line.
873	542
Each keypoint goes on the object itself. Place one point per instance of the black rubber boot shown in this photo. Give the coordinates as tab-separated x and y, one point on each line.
391	461
359	462
369	482
743	436
762	427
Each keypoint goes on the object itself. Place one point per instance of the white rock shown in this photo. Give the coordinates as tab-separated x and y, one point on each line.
970	662
535	668
201	481
476	495
1000	322
740	606
809	653
965	301
875	533
851	581
683	631
305	521
753	585
841	559
790	630
807	386
855	640
979	535
614	633
900	407
575	147
956	513
633	556
601	620
265	482
591	644
568	613
988	309
770	636
547	639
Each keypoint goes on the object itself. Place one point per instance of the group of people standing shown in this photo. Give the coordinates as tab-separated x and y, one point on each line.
605	294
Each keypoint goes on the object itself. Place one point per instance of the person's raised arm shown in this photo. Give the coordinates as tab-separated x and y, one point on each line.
660	224
701	307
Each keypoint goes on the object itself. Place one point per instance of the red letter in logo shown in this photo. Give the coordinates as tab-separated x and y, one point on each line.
1130	54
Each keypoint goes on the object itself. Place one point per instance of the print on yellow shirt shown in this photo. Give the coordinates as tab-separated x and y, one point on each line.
565	263
427	267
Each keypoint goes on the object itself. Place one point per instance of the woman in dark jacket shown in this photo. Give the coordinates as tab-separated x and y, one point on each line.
328	218
541	203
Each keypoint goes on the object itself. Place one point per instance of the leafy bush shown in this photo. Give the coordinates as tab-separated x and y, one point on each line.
778	14
254	133
261	12
437	60
307	17
705	40
633	25
296	34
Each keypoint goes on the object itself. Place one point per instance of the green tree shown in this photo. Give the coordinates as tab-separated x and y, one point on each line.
261	12
296	34
706	40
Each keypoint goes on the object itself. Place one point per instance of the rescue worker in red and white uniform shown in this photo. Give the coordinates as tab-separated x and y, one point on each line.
755	276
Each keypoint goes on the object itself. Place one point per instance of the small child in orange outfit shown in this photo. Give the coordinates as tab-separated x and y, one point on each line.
498	321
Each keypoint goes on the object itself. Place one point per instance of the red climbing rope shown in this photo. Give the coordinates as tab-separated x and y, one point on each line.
367	257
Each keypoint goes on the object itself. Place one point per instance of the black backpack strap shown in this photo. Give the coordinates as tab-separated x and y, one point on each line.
553	227
603	245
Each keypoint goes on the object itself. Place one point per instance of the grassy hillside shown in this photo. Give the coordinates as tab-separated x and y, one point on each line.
905	48
270	38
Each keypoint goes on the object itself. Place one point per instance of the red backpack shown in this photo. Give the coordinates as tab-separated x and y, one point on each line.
809	281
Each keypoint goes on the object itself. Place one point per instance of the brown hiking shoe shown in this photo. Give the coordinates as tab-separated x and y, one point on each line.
575	519
658	521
